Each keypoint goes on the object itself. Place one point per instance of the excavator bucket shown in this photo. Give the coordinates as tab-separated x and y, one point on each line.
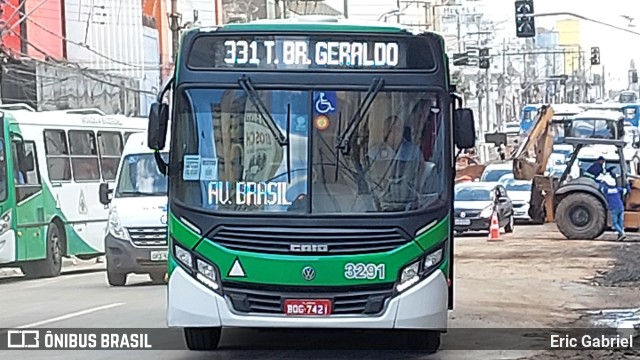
531	157
541	203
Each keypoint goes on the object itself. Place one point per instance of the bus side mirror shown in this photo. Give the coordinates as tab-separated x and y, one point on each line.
104	193
158	121
464	131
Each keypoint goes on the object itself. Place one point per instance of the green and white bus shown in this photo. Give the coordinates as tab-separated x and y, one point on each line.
51	166
311	168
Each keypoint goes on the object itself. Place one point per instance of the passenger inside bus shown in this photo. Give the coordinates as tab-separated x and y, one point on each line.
397	143
18	176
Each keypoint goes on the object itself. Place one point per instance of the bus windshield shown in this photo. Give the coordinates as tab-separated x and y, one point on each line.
140	177
232	162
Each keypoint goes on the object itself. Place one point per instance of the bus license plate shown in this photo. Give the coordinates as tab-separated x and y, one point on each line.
159	255
463	222
307	307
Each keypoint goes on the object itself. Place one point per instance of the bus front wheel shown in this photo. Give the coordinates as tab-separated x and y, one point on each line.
202	338
51	265
423	340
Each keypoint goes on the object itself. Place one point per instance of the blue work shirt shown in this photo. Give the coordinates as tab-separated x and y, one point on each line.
595	169
614	195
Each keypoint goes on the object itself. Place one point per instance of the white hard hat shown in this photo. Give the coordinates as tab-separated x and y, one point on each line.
609	180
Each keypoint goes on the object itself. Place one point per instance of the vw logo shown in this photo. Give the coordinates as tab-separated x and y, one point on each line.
462	214
308	273
163	219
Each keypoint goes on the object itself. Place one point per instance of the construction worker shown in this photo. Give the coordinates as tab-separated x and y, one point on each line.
596	169
614	195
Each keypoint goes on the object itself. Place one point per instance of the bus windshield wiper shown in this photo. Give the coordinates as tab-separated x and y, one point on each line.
247	86
343	140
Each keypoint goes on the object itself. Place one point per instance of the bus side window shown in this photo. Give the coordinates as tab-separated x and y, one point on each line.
84	155
110	146
57	153
27	183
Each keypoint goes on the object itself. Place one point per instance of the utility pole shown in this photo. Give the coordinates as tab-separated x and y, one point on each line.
175	19
459	31
604	89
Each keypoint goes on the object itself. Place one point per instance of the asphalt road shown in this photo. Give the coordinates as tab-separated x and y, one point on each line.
82	299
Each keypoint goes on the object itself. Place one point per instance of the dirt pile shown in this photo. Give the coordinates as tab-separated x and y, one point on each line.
626	269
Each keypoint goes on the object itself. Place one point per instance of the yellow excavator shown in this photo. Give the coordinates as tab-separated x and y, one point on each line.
576	204
530	162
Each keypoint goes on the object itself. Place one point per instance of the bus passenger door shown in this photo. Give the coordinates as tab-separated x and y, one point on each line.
29	201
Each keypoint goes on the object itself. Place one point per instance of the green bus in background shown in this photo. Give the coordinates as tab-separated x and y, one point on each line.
311	176
51	166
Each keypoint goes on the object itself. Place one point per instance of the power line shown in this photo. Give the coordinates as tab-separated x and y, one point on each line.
70	66
26	15
16	10
86	46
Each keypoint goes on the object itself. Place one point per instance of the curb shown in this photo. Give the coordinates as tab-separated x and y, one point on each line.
10	272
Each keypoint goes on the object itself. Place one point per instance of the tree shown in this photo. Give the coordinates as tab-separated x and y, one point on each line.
462	84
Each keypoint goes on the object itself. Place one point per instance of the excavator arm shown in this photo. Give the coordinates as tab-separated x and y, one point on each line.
530	163
533	154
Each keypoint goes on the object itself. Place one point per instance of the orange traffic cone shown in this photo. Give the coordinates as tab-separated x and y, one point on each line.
494	230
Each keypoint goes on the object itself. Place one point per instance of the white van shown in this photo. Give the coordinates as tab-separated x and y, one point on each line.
136	233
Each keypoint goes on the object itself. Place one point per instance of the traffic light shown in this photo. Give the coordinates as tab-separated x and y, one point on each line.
595	55
634	76
484	59
525	21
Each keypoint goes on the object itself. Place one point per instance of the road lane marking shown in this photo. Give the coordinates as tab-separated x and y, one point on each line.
62	277
70	315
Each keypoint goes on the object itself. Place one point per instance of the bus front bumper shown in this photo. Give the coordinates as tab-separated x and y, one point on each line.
8	247
191	304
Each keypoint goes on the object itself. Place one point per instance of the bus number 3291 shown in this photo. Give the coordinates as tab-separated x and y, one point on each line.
364	271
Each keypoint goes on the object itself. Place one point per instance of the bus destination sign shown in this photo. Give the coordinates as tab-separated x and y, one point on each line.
292	52
310	52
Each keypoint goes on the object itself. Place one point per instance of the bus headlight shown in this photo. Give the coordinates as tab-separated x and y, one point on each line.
5	222
487	212
418	270
115	227
205	272
183	256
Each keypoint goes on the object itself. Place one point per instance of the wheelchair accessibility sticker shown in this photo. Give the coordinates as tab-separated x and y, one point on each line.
325	102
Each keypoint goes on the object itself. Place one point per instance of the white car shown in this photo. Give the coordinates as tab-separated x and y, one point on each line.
519	191
494	172
563	149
